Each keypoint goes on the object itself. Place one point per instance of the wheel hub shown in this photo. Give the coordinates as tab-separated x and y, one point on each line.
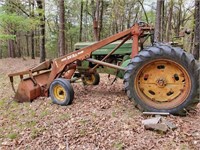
59	92
89	79
161	82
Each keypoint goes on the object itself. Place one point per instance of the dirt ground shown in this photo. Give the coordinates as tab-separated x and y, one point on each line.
100	118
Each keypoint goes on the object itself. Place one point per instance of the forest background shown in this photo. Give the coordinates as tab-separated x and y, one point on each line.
50	28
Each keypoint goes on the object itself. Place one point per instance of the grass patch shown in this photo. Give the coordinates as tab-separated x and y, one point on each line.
119	146
12	136
83	122
32	113
36	132
83	132
14	104
44	113
2	102
94	115
1	134
64	116
114	114
184	147
30	124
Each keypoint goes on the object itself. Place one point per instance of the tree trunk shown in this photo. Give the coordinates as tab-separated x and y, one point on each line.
163	29
81	20
169	23
0	51
101	20
158	29
142	5
179	17
32	45
197	30
40	4
86	31
95	16
11	48
62	28
37	42
18	45
191	42
32	14
27	44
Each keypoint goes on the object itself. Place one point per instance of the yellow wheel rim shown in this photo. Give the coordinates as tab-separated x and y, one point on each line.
163	84
59	92
90	79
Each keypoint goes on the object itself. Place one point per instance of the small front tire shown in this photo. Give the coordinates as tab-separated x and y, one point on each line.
61	92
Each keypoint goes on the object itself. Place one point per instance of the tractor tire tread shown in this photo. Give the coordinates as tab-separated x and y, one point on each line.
69	89
158	50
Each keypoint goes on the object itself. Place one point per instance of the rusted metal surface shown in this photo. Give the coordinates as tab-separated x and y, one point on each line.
69	73
84	53
37	84
28	90
105	64
135	34
163	81
43	66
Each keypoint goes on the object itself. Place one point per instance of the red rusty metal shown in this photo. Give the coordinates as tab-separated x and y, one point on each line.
68	74
37	84
135	34
42	66
28	90
105	64
82	54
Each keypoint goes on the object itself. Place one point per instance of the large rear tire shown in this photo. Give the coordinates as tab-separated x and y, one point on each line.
61	92
163	79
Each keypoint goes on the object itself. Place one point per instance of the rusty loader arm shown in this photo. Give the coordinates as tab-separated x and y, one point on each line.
40	77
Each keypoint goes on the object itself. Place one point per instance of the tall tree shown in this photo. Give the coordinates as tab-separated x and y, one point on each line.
159	20
40	4
101	19
32	14
142	5
81	22
61	28
97	15
1	51
169	21
197	30
10	29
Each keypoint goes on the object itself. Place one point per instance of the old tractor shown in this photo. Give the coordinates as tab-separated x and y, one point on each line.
158	78
120	57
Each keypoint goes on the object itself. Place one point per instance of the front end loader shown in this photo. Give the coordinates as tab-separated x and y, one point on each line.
159	78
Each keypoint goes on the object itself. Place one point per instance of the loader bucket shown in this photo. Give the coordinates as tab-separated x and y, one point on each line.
31	88
27	91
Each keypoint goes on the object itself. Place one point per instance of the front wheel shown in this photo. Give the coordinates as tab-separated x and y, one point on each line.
163	79
91	79
61	92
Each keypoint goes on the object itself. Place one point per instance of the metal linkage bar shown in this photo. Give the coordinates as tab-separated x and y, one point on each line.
128	37
105	64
